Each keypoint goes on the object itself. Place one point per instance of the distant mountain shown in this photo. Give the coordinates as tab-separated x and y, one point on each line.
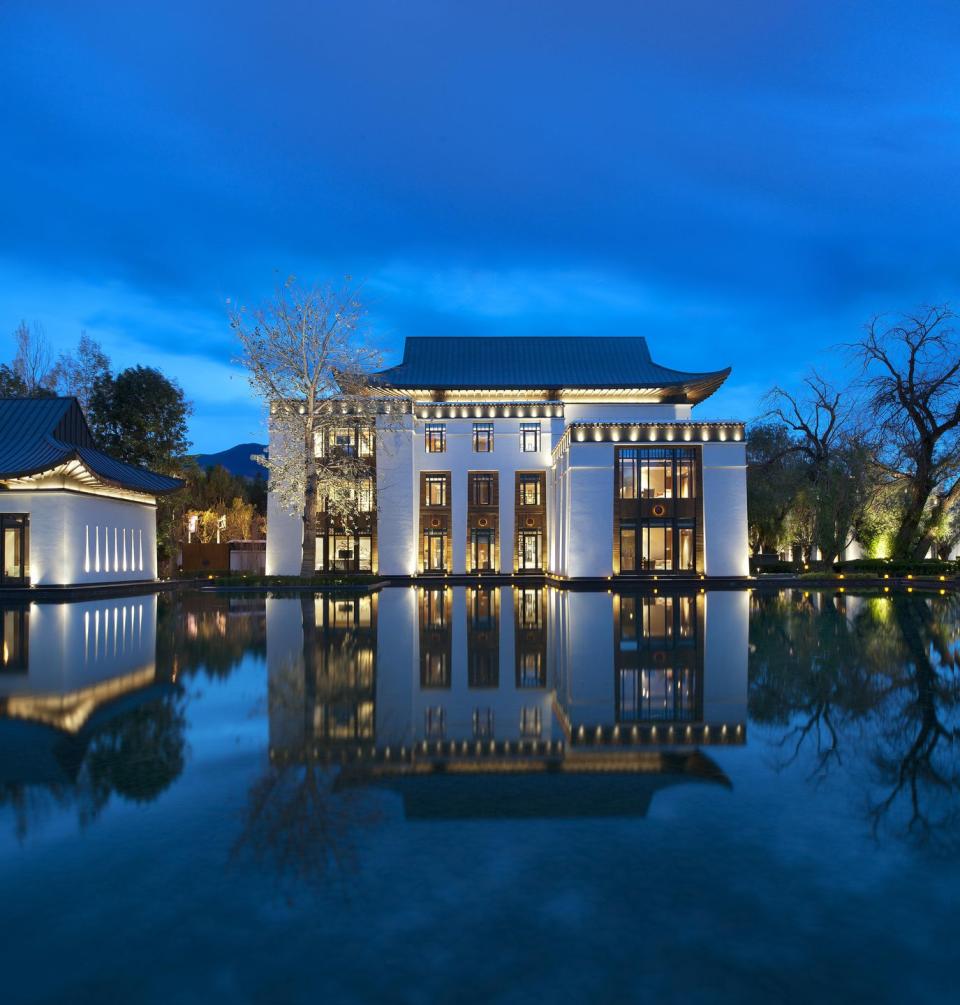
236	460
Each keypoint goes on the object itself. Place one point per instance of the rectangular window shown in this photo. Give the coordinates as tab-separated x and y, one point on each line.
483	490
628	474
685	476
530	437
656	475
365	442
343	440
436	494
529	490
365	495
482	437
435	434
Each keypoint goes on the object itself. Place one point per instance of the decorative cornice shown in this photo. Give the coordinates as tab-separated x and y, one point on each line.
487	410
649	433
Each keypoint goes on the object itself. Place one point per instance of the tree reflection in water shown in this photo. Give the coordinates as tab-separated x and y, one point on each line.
297	822
136	753
869	685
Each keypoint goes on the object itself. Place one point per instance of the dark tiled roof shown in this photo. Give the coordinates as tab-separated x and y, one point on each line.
37	434
501	363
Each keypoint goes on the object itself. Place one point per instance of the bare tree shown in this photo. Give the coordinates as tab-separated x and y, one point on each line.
912	376
308	359
33	362
822	433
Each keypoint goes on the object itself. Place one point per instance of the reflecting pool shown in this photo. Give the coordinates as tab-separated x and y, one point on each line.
480	794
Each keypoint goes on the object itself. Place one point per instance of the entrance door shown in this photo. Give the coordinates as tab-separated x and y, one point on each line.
434	551
482	550
529	557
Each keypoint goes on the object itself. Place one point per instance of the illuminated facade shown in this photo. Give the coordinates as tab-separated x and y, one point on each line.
573	457
70	514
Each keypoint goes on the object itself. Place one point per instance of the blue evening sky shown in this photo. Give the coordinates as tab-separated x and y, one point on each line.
744	183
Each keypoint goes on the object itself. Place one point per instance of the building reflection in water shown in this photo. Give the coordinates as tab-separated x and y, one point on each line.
84	711
474	701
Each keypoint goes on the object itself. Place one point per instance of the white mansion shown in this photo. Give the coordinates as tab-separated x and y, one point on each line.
571	457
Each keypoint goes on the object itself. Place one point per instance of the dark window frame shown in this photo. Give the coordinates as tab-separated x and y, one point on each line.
526	430
483	437
435	437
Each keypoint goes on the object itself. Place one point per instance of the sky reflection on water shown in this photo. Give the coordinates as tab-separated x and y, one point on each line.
742	794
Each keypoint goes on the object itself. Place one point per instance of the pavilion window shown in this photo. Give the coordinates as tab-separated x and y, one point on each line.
435	437
483	437
530	437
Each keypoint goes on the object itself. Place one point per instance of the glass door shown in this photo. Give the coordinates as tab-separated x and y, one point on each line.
482	550
434	551
529	558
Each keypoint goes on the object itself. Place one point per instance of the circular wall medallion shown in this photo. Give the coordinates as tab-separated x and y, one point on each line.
530	521
435	522
482	522
659	509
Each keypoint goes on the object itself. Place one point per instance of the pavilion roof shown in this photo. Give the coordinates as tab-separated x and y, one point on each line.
548	363
42	434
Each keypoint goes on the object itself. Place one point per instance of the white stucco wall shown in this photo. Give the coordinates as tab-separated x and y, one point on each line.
67	527
589	532
726	549
396	500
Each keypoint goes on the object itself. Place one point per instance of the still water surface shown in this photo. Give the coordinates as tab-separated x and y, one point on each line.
480	794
